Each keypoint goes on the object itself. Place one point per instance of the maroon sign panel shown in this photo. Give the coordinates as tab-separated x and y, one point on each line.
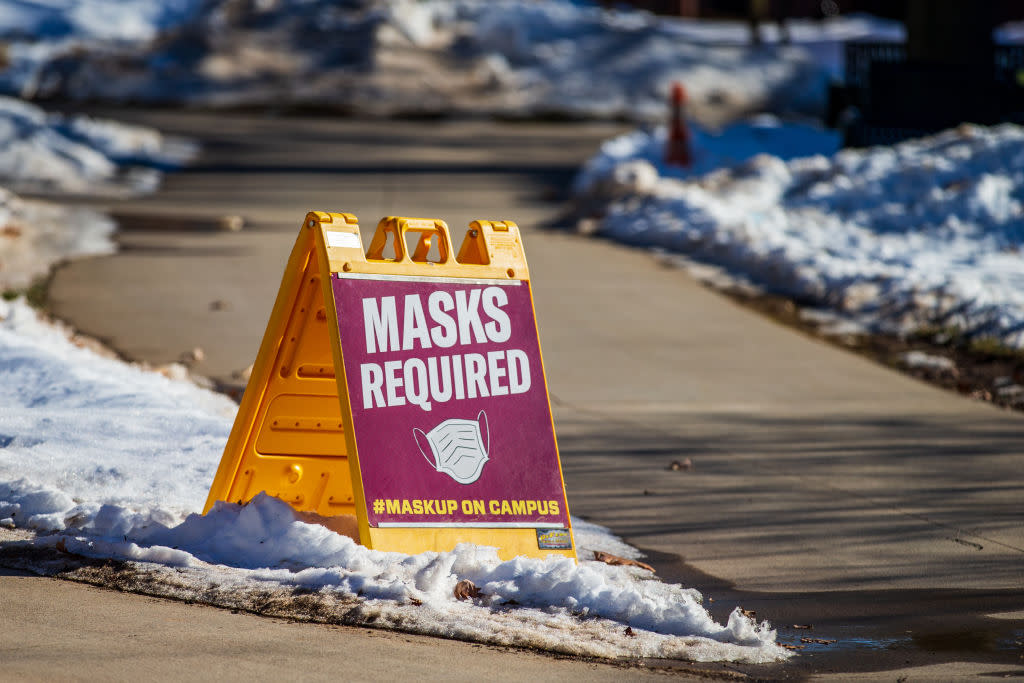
450	410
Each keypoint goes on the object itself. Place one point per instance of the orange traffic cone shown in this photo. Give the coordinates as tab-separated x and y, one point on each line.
677	148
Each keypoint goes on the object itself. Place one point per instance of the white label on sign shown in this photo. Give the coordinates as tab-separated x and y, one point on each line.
348	240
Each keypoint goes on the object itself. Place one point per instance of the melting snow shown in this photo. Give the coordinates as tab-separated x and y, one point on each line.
104	459
513	57
52	153
923	234
35	235
68	155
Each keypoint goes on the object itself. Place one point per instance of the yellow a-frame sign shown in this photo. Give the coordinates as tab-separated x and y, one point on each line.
401	392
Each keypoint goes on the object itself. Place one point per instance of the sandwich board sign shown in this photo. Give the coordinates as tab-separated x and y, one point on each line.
399	395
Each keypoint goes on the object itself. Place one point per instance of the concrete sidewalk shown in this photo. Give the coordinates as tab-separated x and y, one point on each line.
83	633
825	490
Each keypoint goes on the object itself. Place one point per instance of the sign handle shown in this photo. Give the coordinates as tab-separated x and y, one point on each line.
394	230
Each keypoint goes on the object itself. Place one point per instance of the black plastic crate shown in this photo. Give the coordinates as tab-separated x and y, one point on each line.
893	98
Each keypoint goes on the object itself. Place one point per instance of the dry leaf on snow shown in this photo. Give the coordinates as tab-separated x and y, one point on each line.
466	589
608	558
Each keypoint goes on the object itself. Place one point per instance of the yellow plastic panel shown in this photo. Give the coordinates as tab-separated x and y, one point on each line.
309	484
288	438
302	425
509	543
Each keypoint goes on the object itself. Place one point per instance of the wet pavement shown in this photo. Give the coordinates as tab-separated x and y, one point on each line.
873	631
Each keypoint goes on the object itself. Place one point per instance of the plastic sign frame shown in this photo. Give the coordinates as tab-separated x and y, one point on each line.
399	395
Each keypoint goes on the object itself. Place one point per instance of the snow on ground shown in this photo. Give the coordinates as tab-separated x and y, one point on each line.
635	161
923	235
35	235
57	154
67	156
513	57
107	460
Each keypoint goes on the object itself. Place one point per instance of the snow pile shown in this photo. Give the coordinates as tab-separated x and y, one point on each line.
78	426
104	459
926	361
54	154
634	162
554	594
35	235
513	57
38	33
921	235
99	20
51	153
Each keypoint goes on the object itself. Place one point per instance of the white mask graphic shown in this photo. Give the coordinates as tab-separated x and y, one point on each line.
457	447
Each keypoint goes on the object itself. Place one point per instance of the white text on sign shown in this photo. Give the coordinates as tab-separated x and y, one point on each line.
463	317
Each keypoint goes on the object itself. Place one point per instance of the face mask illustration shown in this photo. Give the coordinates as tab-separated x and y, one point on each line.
457	447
